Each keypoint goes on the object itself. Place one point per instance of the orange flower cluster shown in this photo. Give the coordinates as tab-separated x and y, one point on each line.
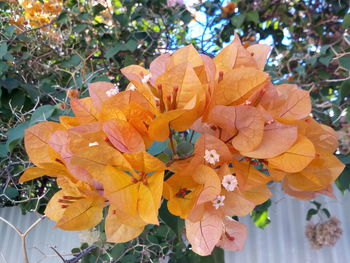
38	13
251	133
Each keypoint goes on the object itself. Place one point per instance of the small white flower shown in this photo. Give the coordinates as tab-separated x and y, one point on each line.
131	87
89	236
112	92
91	144
229	182
146	78
219	201
211	156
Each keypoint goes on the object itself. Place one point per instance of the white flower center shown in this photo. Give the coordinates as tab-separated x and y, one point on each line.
229	182
211	156
219	201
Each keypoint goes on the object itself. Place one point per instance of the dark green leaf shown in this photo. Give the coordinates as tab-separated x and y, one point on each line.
131	45
117	250
252	16
343	181
15	135
42	114
174	222
346	21
79	28
325	60
98	9
3	150
310	213
114	50
326	212
11	192
73	61
237	20
317	204
9	30
344	61
217	256
122	19
184	149
186	17
3	49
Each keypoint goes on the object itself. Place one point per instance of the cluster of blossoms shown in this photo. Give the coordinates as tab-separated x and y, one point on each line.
38	13
248	132
324	233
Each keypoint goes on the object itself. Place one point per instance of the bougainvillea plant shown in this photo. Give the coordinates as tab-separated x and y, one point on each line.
223	131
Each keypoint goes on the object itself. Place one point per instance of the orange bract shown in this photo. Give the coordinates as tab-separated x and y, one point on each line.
246	134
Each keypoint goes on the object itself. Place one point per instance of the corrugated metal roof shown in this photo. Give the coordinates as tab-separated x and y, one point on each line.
282	241
39	239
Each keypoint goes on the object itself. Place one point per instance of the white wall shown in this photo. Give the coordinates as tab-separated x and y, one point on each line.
41	237
282	241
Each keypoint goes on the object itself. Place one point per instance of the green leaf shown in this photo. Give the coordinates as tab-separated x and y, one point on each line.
98	9
62	18
261	219
15	135
343	181
252	16
217	256
17	98
317	204
79	28
76	250
117	250
345	89
73	61
311	213
325	60
237	20
326	212
346	21
42	113
184	149
3	49
122	19
131	45
344	62
175	223
11	192
3	67
9	30
186	17
114	50
3	150
263	207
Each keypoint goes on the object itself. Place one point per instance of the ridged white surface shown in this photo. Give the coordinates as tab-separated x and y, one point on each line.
39	239
282	241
